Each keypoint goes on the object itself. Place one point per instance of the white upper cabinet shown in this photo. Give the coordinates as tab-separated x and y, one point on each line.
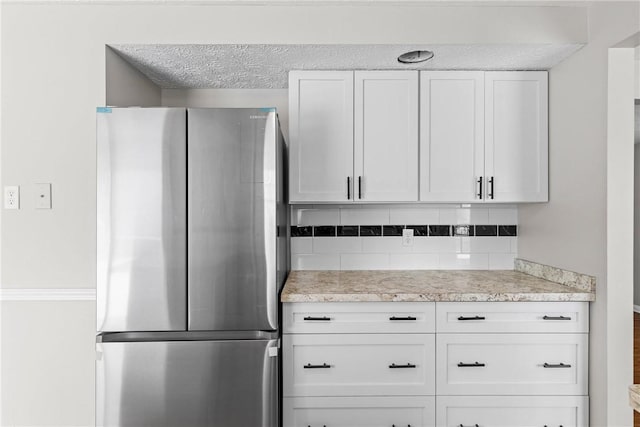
354	136
386	136
451	136
321	133
516	136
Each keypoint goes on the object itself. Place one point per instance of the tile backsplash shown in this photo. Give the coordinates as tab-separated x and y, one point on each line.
367	237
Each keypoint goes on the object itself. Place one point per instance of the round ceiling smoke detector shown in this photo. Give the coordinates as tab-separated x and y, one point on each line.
415	56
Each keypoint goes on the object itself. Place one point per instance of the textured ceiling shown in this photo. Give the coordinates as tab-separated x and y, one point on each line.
266	66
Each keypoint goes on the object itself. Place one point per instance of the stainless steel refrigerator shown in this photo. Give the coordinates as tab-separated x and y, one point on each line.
192	253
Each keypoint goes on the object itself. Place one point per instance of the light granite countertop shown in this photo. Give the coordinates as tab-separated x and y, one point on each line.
634	396
427	285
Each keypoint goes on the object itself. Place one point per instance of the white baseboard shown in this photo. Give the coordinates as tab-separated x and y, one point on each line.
47	294
636	308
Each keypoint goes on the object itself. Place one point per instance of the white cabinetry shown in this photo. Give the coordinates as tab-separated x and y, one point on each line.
386	136
451	135
512	364
386	411
321	133
359	365
354	136
335	377
424	364
483	136
516	136
510	411
325	164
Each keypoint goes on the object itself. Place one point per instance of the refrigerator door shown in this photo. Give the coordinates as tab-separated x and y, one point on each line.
141	219
232	257
187	383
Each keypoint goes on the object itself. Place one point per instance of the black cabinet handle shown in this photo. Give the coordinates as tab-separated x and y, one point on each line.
471	365
323	318
310	366
559	365
472	318
408	365
402	318
491	191
480	192
348	188
359	187
475	425
556	318
393	425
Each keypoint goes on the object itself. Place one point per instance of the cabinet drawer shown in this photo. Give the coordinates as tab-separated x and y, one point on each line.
359	411
359	317
531	364
501	317
510	411
358	365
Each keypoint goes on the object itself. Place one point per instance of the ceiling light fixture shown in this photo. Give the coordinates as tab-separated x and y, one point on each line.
415	56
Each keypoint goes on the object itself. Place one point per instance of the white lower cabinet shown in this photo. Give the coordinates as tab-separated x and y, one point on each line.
512	364
461	364
359	364
379	411
512	411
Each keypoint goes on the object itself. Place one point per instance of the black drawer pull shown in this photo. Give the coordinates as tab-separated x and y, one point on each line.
559	365
558	426
310	366
471	365
556	318
323	318
472	318
408	365
393	425
475	425
403	318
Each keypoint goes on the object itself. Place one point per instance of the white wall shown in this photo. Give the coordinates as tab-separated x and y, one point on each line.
636	226
53	76
571	230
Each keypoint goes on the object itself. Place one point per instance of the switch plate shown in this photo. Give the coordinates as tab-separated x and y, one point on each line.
12	197
43	196
407	237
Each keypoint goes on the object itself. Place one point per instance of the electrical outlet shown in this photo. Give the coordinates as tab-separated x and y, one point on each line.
407	237
12	197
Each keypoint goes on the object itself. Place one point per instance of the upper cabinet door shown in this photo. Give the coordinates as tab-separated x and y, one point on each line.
321	133
386	136
516	136
451	136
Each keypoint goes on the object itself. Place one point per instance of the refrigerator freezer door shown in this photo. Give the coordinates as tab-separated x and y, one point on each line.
187	384
141	219
232	219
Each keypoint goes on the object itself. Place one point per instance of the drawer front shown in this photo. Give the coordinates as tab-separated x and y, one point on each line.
510	411
510	364
358	365
385	411
512	317
359	317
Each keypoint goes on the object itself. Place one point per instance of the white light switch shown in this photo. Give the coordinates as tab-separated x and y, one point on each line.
12	197
43	196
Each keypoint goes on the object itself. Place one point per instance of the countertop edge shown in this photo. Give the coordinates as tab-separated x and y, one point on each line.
568	278
457	297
